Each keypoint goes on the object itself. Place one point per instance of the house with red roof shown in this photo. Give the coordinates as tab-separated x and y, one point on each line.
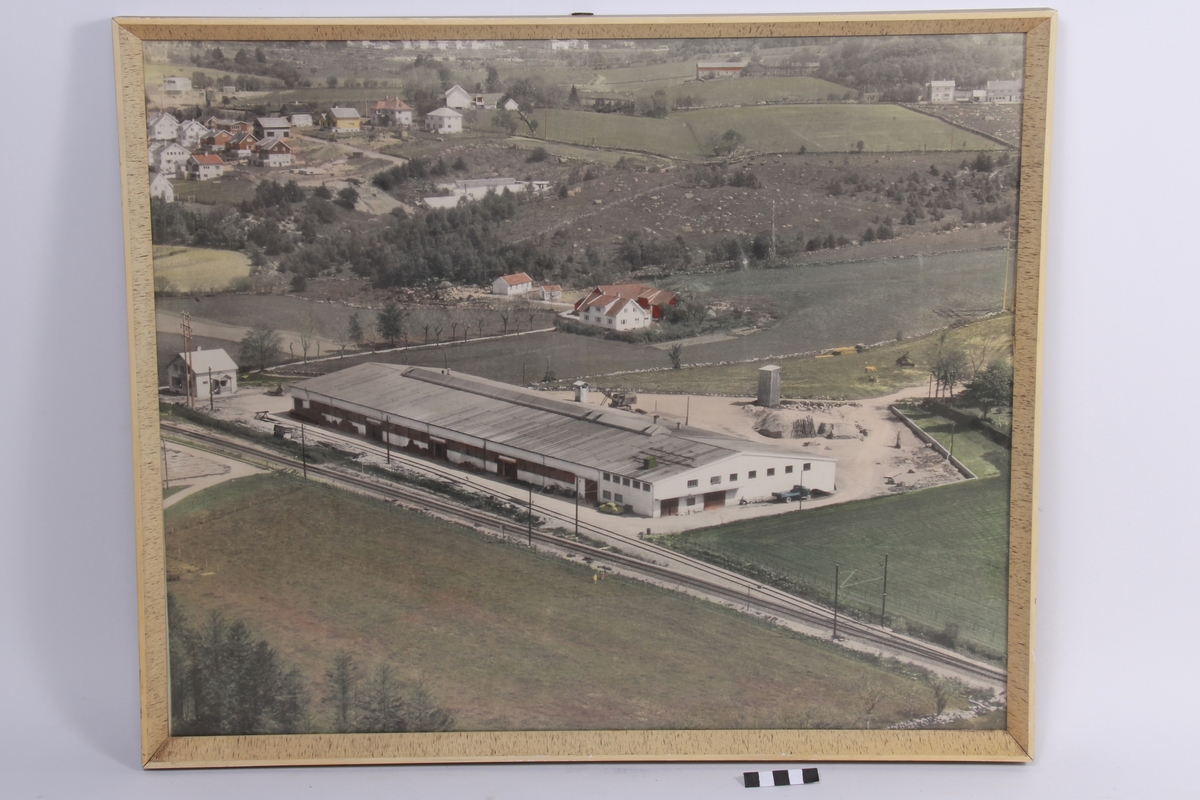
393	111
205	166
649	298
615	313
550	291
518	283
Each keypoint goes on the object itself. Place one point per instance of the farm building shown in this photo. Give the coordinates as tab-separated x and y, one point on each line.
162	127
649	298
191	133
203	167
268	128
487	100
174	84
708	70
457	97
508	104
604	454
161	188
298	114
550	291
393	111
213	373
343	120
274	153
518	283
1005	92
444	120
616	313
941	91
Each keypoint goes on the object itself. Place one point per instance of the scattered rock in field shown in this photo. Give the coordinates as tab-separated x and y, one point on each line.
772	426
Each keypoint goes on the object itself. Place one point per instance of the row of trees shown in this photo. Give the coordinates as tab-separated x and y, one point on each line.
226	682
987	379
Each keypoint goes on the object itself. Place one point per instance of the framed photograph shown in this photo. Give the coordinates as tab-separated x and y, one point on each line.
564	389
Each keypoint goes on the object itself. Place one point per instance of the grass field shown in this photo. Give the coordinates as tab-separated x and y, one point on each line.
278	311
198	269
833	128
976	451
841	377
766	129
947	551
820	306
525	358
507	639
231	189
674	72
748	91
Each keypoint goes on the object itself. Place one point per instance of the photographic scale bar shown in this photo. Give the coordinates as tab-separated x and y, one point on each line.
781	777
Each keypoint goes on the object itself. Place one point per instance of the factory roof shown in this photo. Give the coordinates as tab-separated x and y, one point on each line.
606	439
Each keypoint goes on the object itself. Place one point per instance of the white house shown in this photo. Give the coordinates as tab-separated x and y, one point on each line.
191	133
391	111
509	285
444	120
941	91
457	97
203	167
212	373
174	84
168	157
162	127
514	434
508	104
615	313
269	128
550	291
301	119
274	153
161	188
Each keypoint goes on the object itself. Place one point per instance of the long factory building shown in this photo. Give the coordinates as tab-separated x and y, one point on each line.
650	468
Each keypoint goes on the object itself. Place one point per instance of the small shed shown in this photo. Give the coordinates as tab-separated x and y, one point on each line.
517	283
769	386
212	372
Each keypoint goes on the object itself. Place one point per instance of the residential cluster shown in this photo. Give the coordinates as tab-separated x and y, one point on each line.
995	92
201	150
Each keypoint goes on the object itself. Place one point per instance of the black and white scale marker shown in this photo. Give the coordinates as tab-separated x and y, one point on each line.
781	777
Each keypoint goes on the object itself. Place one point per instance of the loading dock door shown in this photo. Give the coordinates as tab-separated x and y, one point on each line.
714	500
591	491
508	468
669	508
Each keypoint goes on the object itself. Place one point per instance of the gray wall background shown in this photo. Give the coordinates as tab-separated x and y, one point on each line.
1117	696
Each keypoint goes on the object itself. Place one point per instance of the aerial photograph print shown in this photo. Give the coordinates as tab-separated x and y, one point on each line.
585	385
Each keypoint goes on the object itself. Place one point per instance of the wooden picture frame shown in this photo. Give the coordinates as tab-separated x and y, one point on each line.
1013	743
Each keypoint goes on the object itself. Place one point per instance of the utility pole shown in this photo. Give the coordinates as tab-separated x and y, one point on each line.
883	607
772	230
529	521
1007	251
687	418
836	582
166	474
210	391
303	452
185	324
576	509
387	440
953	428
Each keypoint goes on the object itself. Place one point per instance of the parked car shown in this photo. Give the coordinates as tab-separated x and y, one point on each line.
795	493
611	508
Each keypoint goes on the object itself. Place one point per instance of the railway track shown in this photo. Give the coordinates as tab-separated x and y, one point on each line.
635	556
